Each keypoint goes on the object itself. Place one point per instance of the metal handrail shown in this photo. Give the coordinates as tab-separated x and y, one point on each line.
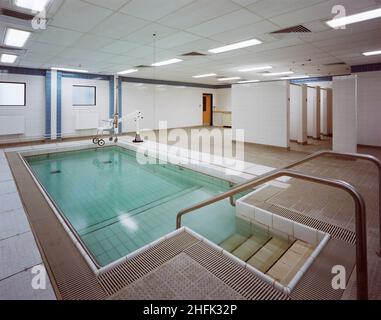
360	209
364	157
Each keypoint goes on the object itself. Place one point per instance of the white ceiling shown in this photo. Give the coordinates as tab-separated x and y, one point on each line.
110	36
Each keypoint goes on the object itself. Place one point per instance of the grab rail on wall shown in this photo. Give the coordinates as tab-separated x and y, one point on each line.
360	209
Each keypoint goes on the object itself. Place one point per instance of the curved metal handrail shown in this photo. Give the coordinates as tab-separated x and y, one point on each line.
360	209
318	154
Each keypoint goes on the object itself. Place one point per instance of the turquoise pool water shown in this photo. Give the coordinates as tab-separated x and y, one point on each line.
117	206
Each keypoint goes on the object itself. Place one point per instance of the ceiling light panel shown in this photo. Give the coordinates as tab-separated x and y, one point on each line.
8	58
355	18
34	5
274	74
16	38
128	71
205	75
166	62
236	46
261	68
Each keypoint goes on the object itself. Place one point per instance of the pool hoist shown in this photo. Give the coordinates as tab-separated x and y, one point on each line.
111	128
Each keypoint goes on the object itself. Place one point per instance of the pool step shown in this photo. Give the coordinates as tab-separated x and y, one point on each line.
289	264
233	242
269	254
247	249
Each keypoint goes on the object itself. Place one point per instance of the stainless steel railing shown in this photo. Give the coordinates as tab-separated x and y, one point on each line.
364	157
360	210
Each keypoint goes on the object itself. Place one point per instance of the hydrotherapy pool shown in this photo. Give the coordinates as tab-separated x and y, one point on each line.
116	206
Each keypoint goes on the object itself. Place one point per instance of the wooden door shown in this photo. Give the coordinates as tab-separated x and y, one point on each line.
207	109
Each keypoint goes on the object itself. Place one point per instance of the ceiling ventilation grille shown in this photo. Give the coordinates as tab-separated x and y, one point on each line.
15	14
294	29
335	64
193	54
6	48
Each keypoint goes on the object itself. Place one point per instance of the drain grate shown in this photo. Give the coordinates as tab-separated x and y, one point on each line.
335	231
119	277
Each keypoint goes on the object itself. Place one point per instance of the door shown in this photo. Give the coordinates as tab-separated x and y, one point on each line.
207	109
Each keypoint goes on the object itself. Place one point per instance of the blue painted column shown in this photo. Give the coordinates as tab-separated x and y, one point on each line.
53	102
48	105
120	103
111	97
59	105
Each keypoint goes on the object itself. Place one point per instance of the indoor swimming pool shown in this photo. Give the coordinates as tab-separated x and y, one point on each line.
116	205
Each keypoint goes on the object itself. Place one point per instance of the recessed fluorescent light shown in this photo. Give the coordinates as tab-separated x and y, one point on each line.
372	53
34	5
128	71
235	46
16	38
277	74
69	70
229	79
359	17
205	75
248	81
256	69
293	78
166	62
8	58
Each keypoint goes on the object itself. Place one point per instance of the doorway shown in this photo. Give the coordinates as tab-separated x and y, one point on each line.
207	115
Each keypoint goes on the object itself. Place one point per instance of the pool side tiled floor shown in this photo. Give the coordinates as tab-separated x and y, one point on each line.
18	250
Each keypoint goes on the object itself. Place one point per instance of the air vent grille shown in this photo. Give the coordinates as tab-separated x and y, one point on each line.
294	29
193	54
17	15
335	64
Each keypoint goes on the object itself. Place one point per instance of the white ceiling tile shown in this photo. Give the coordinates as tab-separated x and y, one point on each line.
43	48
80	16
59	36
90	42
245	3
153	10
119	47
118	25
109	4
272	8
145	35
198	12
225	23
176	39
247	32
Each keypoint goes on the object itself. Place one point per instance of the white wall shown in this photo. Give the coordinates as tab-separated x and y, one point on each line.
34	111
324	112
179	106
311	111
223	99
295	108
263	111
345	114
369	108
70	112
